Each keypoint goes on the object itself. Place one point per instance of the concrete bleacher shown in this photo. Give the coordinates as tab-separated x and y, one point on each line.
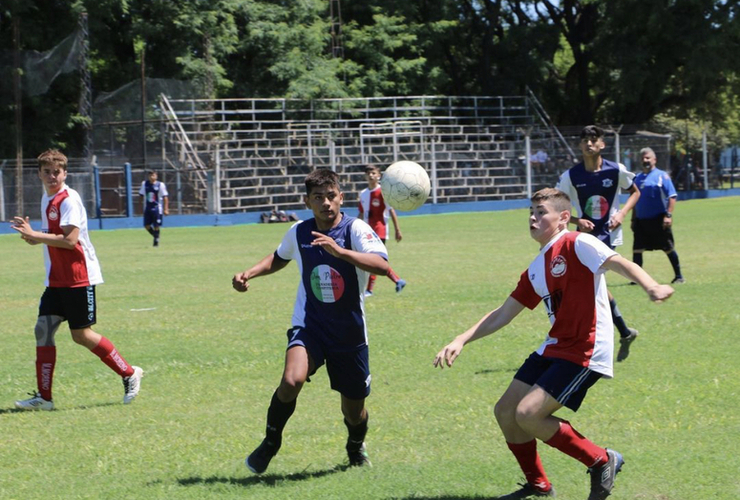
260	150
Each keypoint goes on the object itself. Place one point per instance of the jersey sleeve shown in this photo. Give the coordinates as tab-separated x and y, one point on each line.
365	240
524	292
289	246
163	190
142	189
626	178
72	213
592	252
668	188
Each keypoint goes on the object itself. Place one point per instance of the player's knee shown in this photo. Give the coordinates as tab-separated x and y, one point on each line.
46	327
291	384
526	418
504	412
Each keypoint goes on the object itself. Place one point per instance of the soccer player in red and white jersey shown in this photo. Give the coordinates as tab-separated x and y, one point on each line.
568	276
373	210
72	272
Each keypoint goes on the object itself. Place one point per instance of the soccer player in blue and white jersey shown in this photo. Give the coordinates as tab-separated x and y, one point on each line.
652	218
593	186
335	254
156	203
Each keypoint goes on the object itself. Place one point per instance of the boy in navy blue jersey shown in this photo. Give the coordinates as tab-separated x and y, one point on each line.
593	186
156	204
335	254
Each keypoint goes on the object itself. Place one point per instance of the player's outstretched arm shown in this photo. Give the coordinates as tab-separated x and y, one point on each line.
490	323
266	266
633	272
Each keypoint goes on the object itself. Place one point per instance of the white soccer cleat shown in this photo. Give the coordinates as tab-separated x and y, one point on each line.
132	384
35	403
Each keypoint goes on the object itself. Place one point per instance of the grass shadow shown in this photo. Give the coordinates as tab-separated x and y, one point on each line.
4	411
267	479
488	371
445	497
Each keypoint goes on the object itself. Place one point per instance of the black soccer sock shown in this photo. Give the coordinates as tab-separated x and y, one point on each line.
673	257
637	258
618	320
150	230
357	433
277	416
155	233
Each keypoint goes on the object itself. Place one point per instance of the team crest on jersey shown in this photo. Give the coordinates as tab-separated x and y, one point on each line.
53	213
375	202
607	183
558	266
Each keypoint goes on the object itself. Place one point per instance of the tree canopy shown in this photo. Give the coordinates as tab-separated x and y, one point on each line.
606	61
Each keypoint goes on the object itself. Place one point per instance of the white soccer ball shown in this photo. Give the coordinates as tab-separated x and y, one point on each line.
405	185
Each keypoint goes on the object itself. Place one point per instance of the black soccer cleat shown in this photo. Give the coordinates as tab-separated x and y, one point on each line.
260	458
625	343
602	478
358	457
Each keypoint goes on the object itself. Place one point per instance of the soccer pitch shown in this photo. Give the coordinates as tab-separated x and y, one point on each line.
213	358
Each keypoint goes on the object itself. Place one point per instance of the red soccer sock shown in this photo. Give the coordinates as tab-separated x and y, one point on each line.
108	354
529	460
393	276
371	283
46	359
573	444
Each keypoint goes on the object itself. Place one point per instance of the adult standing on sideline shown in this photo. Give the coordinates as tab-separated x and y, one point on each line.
72	273
652	218
593	186
156	204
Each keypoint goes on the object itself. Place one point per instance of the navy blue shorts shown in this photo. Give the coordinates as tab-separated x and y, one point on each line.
567	382
76	305
349	371
152	218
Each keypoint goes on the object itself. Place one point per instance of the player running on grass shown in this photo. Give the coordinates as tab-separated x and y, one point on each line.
568	276
373	210
335	254
72	272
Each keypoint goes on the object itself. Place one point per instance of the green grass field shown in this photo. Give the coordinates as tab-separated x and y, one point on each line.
213	357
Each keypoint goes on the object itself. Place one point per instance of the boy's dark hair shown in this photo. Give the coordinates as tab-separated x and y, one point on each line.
592	131
371	167
52	157
321	177
150	172
559	199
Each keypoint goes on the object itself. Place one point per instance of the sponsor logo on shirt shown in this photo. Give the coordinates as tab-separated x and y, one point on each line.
327	284
607	183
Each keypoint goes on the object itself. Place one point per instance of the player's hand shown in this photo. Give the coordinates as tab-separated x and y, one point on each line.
399	236
659	293
326	242
240	282
667	222
167	211
23	226
448	355
585	226
616	220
